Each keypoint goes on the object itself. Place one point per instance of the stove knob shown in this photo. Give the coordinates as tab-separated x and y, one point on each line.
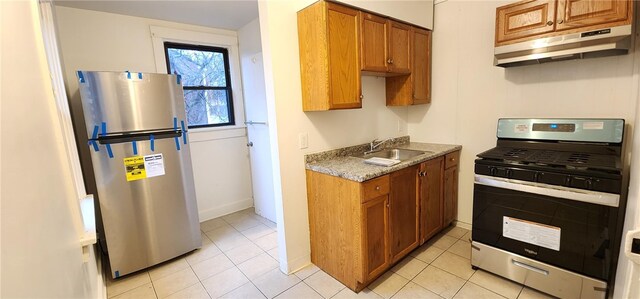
509	172
567	181
589	184
536	176
492	171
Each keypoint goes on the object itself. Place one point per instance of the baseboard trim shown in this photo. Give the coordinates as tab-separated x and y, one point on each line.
225	209
293	265
462	224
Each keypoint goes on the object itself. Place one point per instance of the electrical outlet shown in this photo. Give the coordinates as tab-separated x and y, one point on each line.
303	140
399	126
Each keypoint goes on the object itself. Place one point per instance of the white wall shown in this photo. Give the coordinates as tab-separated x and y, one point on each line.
41	253
92	40
417	12
470	94
327	130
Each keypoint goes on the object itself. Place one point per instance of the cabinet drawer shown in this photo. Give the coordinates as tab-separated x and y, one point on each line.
451	159
374	188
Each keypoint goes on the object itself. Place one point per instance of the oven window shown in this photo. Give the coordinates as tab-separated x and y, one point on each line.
585	229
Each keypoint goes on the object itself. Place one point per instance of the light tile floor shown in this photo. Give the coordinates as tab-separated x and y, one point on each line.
239	259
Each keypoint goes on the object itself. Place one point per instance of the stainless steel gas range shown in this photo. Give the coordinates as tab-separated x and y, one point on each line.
548	205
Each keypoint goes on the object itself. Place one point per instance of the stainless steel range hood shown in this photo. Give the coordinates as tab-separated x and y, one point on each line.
588	44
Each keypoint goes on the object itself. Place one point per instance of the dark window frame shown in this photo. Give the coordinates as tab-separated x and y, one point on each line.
227	88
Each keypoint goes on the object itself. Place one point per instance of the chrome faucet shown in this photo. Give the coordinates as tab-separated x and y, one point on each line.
375	143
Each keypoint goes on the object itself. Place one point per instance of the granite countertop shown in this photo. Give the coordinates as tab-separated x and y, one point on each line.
340	163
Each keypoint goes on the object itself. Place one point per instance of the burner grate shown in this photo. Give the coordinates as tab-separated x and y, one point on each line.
580	158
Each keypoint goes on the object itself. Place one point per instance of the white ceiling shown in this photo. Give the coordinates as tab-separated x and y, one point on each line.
224	14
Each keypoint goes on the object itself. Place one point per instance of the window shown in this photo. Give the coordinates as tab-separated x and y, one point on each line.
206	82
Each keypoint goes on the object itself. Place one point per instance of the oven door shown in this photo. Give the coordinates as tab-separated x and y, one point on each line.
565	227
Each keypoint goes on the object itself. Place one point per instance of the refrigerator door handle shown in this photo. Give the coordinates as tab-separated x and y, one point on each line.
138	136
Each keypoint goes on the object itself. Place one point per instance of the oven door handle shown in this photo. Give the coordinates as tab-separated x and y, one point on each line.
529	267
595	197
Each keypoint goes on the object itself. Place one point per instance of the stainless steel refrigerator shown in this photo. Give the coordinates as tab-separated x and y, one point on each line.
138	138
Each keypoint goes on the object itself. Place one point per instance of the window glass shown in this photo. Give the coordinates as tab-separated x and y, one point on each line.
206	82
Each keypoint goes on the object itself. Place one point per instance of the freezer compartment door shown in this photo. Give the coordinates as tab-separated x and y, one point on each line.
147	202
125	102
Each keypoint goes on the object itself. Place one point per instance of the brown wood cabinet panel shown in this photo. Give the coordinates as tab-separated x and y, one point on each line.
399	48
374	37
415	88
344	69
582	13
375	188
452	159
375	216
421	70
329	43
431	201
335	222
524	18
450	195
403	212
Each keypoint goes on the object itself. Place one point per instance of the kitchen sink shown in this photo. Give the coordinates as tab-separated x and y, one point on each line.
394	153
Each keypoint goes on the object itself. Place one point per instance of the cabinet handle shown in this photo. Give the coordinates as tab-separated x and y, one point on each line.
560	21
377	188
549	23
361	97
389	61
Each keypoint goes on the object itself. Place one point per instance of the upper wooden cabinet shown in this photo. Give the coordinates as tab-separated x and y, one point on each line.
374	40
415	88
329	44
531	19
525	18
338	44
399	48
582	13
385	45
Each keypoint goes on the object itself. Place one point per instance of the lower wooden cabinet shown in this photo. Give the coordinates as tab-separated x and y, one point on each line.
431	205
359	230
375	220
403	212
451	188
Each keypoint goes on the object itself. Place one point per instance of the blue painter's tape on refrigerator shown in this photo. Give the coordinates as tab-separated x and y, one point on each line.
184	132
94	144
128	74
94	135
139	75
135	148
109	151
80	76
152	140
178	79
117	274
104	132
175	127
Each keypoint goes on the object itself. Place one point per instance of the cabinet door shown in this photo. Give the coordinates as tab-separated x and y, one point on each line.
524	19
399	48
374	48
403	212
581	13
431	201
450	195
421	71
344	59
375	218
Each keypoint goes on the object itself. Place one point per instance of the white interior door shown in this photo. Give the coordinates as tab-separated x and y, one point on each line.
258	135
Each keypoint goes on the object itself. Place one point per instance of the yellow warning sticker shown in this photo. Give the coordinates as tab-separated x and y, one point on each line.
135	168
